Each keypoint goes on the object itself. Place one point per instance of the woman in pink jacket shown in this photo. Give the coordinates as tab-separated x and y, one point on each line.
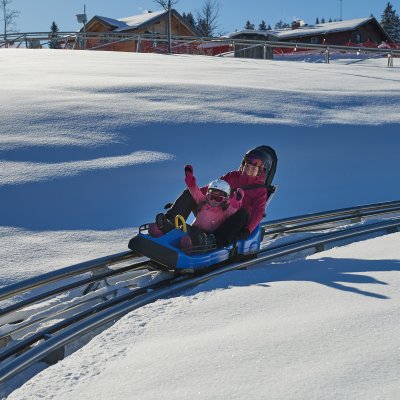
253	177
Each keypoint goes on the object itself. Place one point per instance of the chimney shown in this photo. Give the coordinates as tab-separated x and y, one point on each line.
296	24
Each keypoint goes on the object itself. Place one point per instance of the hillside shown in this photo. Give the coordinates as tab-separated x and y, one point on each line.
92	144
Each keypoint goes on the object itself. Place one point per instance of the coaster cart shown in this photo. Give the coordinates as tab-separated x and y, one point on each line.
164	252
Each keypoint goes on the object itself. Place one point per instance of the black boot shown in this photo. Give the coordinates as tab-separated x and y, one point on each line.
163	223
202	241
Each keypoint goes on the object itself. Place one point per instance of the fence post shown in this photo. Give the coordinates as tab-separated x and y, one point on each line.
390	60
326	53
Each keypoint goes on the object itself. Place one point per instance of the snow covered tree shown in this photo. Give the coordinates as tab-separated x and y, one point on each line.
54	40
262	26
7	16
390	21
317	21
249	25
322	20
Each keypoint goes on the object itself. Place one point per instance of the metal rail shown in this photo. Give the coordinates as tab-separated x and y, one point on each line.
114	37
348	211
279	228
73	270
24	303
108	314
272	227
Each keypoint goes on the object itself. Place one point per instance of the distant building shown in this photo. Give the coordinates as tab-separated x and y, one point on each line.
358	31
155	23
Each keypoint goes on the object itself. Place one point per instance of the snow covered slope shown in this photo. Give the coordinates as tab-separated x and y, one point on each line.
322	328
92	144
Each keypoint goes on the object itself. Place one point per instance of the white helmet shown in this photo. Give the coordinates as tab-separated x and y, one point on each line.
218	192
221	185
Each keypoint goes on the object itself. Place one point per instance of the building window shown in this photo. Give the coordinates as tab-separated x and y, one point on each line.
315	40
356	38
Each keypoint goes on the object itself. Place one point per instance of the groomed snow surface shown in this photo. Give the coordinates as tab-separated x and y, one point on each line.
92	144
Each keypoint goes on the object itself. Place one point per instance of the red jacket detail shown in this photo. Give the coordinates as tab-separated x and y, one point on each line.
254	200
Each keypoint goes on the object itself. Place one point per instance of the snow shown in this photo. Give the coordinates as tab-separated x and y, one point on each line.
92	144
134	21
283	331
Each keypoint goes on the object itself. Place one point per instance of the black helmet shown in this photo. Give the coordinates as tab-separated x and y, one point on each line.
258	158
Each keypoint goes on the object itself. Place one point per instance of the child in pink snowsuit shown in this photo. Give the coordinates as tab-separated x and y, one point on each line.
214	208
216	205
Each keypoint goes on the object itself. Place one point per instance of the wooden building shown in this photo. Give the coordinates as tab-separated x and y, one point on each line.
360	31
154	23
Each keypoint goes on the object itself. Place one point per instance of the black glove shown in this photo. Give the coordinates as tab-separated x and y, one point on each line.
243	234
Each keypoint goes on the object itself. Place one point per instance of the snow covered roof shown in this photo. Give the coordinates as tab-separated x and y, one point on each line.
310	30
133	22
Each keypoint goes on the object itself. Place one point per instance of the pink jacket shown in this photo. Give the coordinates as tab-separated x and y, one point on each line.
209	218
254	199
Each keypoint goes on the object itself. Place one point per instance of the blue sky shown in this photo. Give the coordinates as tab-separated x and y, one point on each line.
38	15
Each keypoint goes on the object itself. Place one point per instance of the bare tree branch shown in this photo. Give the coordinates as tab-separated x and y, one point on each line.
7	16
208	17
166	4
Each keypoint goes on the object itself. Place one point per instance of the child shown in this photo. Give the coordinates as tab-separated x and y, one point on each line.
213	208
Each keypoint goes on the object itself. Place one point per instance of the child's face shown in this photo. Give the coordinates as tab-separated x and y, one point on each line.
250	169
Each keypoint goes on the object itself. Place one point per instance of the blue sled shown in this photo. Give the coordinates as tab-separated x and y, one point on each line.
165	253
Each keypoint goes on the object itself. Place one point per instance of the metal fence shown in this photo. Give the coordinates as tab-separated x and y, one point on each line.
224	46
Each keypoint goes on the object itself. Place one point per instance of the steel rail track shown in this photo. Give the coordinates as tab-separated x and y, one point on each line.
287	226
68	272
105	314
73	285
327	223
272	227
348	213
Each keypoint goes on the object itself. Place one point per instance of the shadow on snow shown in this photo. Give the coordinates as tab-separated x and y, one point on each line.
341	274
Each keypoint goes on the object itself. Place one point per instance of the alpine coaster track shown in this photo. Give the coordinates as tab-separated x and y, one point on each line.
98	295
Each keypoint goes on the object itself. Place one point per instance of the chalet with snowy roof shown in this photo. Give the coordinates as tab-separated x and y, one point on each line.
357	32
154	23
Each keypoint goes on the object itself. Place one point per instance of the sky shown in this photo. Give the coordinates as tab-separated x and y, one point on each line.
37	16
93	144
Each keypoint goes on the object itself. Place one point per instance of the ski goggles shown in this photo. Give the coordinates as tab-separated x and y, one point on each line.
255	162
215	198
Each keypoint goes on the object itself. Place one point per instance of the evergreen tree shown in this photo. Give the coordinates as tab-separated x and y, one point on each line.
269	27
330	19
189	18
322	20
249	25
262	26
390	21
54	40
317	21
281	25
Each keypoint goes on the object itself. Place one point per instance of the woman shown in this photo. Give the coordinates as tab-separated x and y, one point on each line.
253	177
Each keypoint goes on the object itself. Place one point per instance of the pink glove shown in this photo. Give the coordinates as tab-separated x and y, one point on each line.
237	197
190	180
